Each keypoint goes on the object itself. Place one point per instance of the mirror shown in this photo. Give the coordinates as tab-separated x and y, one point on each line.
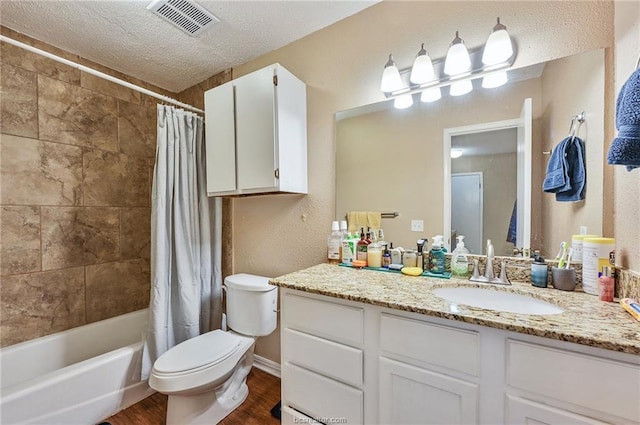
392	160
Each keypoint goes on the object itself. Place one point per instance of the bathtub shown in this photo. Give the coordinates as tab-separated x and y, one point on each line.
79	376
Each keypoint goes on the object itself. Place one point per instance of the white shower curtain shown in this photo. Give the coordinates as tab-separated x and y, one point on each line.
186	227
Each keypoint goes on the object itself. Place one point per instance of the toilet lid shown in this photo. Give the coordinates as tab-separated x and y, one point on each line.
204	350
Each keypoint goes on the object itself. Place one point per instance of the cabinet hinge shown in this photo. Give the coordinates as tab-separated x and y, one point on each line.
275	80
276	173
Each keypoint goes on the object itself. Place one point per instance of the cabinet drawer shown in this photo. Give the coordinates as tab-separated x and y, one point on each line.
321	398
600	384
438	345
290	417
521	411
328	358
325	319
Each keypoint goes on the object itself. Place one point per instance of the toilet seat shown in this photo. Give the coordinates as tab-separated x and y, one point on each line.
198	363
197	353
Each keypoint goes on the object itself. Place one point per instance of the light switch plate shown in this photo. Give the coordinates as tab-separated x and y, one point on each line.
417	225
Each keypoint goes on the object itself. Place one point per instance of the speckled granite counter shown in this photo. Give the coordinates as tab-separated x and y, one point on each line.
586	320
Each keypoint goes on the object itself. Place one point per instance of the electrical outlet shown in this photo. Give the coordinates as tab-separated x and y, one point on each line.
417	225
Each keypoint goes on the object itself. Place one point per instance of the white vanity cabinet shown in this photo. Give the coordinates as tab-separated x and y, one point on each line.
345	360
256	134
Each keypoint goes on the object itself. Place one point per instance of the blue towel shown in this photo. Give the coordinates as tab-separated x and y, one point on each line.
625	149
575	164
512	232
557	178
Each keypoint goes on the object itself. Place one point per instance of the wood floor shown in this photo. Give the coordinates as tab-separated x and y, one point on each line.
264	393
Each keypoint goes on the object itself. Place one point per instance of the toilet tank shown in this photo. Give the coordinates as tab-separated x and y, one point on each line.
251	304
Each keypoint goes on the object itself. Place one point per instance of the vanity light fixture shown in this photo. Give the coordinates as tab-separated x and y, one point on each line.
457	70
457	60
422	69
391	80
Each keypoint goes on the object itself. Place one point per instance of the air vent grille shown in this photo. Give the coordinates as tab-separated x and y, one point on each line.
184	14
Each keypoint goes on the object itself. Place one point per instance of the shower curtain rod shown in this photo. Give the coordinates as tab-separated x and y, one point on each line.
98	74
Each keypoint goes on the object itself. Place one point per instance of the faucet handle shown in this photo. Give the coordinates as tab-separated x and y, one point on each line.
476	270
503	279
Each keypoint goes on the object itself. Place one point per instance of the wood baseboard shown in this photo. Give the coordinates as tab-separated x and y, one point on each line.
266	365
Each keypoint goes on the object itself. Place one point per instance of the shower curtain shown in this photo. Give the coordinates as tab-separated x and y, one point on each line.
186	227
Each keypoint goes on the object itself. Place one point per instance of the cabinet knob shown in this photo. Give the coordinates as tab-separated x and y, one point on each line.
276	173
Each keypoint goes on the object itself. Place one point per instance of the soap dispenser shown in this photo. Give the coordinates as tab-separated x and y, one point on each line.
437	256
460	259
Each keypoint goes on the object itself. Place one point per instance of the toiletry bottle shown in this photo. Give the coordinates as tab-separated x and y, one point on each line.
409	258
381	240
396	255
334	244
386	257
460	259
348	248
420	253
361	251
343	229
374	255
539	272
369	236
437	256
606	284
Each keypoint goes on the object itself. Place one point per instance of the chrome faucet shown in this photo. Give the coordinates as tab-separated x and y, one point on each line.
489	275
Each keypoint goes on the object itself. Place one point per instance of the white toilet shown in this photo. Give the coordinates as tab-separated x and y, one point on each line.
205	376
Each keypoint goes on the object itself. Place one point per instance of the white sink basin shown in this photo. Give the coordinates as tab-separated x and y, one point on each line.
497	300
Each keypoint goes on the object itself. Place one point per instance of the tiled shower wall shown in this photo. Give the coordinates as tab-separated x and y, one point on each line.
77	156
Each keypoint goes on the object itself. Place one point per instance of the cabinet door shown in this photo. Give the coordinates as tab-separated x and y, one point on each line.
220	139
412	395
521	411
255	130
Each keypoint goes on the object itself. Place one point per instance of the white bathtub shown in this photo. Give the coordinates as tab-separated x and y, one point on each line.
80	376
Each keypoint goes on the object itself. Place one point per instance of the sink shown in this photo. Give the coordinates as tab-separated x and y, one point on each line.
497	300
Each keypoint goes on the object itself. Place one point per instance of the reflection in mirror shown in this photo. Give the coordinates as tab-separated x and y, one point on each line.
392	160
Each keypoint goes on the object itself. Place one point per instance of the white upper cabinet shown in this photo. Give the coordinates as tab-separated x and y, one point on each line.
256	134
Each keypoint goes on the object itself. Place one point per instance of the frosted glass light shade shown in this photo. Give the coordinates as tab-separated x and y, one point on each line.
431	95
457	60
498	47
456	153
391	80
495	79
422	70
403	101
460	88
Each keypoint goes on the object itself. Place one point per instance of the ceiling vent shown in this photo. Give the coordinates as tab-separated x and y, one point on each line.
184	14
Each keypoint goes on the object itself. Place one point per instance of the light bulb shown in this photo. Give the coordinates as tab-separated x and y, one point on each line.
460	88
495	79
422	70
391	80
498	47
431	95
457	60
456	153
403	101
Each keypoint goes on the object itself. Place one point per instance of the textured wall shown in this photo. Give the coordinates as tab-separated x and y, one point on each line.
77	157
341	65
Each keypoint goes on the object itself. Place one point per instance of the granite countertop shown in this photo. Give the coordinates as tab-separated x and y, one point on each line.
586	320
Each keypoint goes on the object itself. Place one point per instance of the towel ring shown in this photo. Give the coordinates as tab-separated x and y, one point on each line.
576	121
638	62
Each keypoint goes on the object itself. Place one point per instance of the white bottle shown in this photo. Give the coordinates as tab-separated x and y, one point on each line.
334	244
460	259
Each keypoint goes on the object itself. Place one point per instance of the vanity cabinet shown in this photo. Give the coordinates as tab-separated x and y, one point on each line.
345	360
256	134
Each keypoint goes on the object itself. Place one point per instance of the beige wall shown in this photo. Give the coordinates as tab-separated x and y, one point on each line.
627	184
499	194
77	157
341	65
563	96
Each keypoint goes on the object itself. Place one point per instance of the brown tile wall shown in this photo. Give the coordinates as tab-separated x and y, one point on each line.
76	166
75	181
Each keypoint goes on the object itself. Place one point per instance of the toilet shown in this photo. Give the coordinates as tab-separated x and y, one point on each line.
205	376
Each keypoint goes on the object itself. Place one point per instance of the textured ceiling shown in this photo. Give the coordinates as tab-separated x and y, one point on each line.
123	35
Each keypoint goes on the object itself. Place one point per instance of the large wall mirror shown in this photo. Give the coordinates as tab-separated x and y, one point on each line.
392	160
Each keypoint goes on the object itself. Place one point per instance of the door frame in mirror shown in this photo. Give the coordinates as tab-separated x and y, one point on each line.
448	134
